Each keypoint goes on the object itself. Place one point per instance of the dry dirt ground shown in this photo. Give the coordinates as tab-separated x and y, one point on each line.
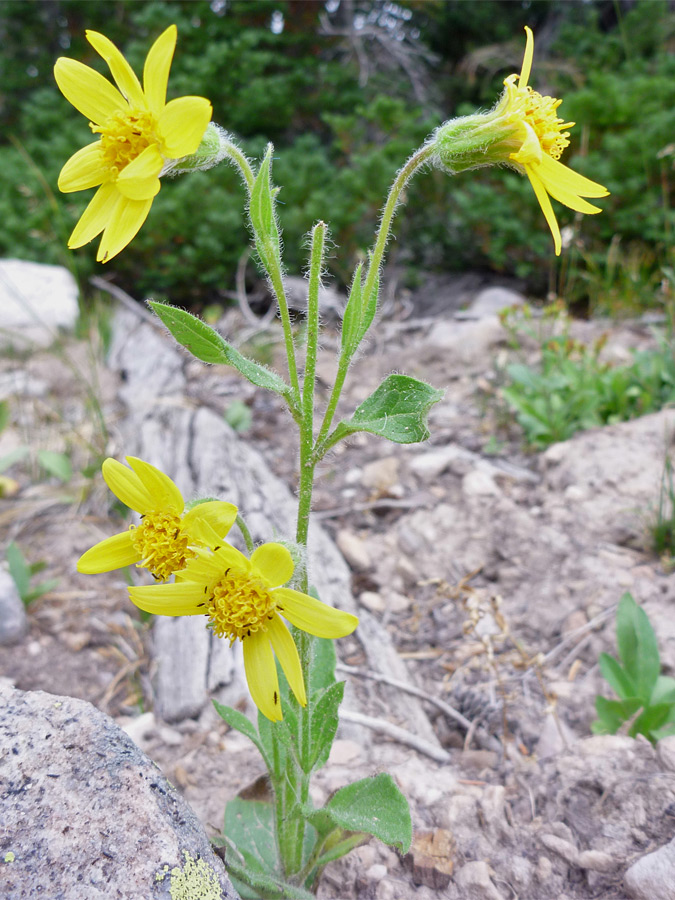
496	573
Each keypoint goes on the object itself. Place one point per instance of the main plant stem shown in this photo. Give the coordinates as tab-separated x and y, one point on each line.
295	845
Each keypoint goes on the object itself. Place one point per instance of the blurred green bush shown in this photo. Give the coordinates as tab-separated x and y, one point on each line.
339	143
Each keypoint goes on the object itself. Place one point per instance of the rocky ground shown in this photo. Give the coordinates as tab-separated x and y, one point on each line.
495	573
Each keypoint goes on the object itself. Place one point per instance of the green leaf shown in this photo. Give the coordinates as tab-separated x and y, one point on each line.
637	645
57	464
207	345
324	708
666	731
620	682
239	416
263	218
369	304
397	410
18	569
273	747
42	588
373	806
664	690
252	884
342	847
239	722
4	414
613	713
322	660
14	456
249	826
351	318
652	718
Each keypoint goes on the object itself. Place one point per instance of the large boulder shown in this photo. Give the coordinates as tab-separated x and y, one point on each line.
85	814
36	302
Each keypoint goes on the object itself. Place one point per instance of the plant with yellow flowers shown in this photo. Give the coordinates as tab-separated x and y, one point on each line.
276	849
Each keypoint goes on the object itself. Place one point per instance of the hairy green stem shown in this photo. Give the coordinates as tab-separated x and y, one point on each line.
416	161
242	164
285	316
245	533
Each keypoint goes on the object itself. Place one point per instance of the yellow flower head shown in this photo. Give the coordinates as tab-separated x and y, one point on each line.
244	600
167	536
543	139
525	132
139	134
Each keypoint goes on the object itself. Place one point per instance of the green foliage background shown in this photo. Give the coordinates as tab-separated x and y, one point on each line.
340	139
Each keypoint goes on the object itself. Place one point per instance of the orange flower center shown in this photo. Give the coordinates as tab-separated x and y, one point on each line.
161	543
540	115
239	606
124	137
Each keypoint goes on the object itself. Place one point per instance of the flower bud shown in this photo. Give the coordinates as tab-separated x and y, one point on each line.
483	139
212	150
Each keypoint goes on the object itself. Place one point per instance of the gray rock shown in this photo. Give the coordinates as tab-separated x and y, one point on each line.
331	302
491	301
474	879
86	815
36	301
653	876
665	750
463	346
13	621
354	549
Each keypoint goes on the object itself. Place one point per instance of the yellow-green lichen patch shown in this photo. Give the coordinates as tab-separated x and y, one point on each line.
195	881
9	857
161	875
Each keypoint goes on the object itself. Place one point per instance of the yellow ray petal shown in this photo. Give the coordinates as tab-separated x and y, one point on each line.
182	124
204	570
261	675
164	493
312	615
217	514
121	71
274	563
178	599
554	172
287	654
83	170
95	217
90	93
112	553
156	69
573	201
127	486
139	180
527	59
230	558
530	150
124	225
546	208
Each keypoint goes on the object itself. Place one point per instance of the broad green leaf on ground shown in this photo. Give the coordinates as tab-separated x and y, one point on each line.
617	678
637	646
